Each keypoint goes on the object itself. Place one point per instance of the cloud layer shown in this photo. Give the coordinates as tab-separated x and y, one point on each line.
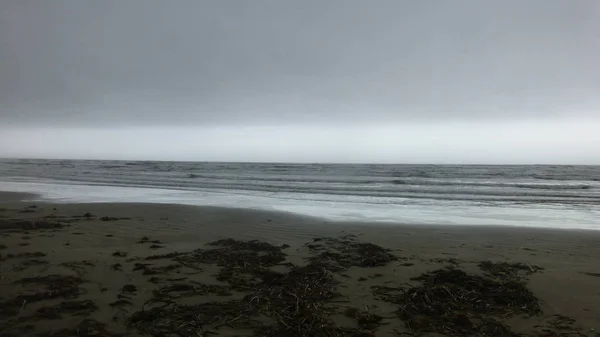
274	62
463	81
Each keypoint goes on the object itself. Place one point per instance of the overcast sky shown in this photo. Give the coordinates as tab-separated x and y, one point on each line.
460	81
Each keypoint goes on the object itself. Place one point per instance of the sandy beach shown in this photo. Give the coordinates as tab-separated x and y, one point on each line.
172	270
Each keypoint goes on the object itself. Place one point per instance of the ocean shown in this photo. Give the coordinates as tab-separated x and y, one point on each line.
538	196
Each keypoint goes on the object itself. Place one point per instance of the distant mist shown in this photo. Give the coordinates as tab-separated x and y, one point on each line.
558	142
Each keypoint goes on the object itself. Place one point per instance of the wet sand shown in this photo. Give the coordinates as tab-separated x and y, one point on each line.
97	257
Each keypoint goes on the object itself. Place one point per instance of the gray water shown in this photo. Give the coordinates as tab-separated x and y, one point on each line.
549	196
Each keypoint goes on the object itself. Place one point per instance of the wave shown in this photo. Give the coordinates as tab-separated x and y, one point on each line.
494	184
432	192
540	184
358	182
375	197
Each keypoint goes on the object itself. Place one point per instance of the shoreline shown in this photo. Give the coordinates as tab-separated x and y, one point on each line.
83	245
11	197
348	209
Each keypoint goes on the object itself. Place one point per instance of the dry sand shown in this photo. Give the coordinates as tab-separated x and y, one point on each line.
100	278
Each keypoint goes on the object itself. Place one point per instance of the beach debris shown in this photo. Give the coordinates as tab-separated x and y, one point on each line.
87	328
505	270
365	319
180	290
119	254
110	218
26	225
235	258
259	293
29	263
120	303
188	320
282	304
75	308
563	326
451	302
450	261
46	287
79	267
26	210
129	288
148	270
300	303
337	254
294	303
387	293
25	255
144	239
156	246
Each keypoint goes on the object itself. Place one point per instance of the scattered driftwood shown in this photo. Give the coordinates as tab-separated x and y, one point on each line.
79	267
181	290
87	328
25	255
452	302
450	261
144	239
120	303
562	326
119	254
293	303
260	294
75	308
165	256
29	263
235	258
129	288
46	288
339	254
365	319
147	268
505	270
189	320
110	218
26	225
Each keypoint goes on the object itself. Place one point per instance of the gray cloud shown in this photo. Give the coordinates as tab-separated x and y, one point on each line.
150	62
